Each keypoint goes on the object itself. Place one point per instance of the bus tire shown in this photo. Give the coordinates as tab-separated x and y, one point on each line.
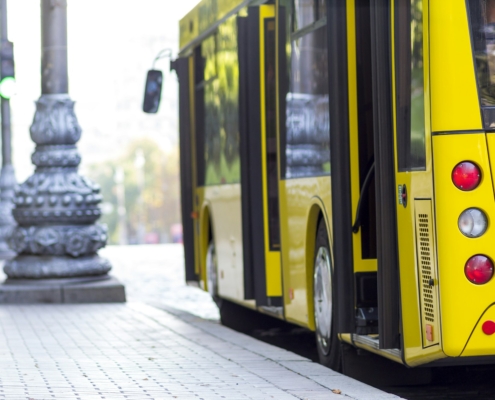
327	342
212	272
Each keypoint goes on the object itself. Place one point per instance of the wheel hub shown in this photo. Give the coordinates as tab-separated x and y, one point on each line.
211	270
323	299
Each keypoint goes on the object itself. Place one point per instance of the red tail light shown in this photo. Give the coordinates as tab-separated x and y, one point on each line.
488	327
466	176
479	269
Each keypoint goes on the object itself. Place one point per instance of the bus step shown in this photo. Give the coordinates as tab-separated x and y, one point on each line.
367	321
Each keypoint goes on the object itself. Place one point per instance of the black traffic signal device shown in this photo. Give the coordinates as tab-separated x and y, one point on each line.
7	70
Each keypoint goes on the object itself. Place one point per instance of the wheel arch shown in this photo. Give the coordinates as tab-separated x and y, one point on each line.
316	213
206	233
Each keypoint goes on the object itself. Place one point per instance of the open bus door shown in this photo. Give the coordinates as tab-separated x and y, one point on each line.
392	195
372	181
259	158
184	68
413	176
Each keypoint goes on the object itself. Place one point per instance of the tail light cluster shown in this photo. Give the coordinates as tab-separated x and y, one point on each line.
479	269
473	222
466	176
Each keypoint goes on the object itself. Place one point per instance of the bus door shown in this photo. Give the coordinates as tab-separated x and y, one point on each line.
392	188
259	158
375	251
414	181
184	68
388	294
190	72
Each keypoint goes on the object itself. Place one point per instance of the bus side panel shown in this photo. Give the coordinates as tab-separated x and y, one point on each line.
479	341
224	204
186	180
297	198
454	101
461	302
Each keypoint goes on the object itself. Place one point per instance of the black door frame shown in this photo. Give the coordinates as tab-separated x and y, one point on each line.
387	236
181	66
387	243
341	166
253	230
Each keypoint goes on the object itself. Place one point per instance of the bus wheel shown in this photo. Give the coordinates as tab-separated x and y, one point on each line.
212	271
327	342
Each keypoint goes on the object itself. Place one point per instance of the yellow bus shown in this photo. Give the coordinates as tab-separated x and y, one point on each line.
336	169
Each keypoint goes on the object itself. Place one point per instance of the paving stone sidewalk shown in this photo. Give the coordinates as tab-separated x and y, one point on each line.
135	351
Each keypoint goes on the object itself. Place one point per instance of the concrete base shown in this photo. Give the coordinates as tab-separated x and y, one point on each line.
98	289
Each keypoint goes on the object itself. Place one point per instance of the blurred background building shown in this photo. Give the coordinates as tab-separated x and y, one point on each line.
132	155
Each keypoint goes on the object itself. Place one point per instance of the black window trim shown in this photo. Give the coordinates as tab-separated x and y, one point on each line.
483	109
403	145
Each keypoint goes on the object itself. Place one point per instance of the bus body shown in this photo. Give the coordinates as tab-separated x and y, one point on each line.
367	125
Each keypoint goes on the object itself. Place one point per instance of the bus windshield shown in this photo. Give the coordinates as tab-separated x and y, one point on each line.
482	16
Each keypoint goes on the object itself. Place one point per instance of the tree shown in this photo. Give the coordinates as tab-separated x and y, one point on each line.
160	205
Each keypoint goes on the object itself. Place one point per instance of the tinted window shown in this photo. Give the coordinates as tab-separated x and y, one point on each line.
303	89
306	12
307	151
482	15
221	106
410	85
271	148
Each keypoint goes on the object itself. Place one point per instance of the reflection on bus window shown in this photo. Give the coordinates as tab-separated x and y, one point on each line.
410	86
307	114
306	12
482	15
221	93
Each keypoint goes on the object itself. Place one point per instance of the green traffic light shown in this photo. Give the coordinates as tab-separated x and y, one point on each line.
7	87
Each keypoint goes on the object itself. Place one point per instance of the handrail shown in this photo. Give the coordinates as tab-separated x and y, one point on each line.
366	183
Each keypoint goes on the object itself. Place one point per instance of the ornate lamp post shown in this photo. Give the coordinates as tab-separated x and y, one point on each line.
56	208
7	175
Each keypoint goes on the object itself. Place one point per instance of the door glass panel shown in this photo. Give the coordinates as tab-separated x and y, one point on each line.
365	128
321	8
305	11
410	85
271	135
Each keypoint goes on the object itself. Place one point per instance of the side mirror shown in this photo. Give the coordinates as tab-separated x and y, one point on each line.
152	91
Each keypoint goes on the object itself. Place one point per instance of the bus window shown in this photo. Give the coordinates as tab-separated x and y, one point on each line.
271	135
305	13
220	89
305	141
410	86
211	113
308	125
365	127
482	16
490	36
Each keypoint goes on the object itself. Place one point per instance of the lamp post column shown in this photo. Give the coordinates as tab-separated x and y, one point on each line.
56	208
7	175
